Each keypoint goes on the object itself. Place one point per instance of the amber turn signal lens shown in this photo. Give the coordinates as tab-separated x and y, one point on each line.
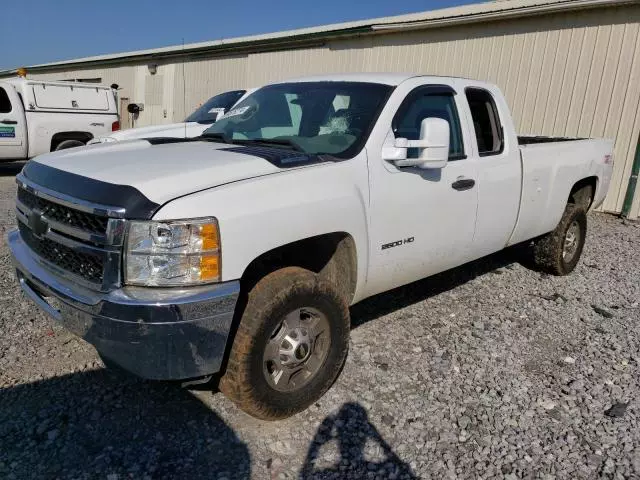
209	267
209	234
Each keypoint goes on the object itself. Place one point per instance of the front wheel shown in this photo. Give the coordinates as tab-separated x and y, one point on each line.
558	251
290	345
69	144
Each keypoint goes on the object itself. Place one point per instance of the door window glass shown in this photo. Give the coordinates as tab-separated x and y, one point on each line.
421	105
486	121
5	104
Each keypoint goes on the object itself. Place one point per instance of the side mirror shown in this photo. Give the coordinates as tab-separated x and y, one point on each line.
433	146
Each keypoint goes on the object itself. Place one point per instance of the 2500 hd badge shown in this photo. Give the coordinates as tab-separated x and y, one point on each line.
397	243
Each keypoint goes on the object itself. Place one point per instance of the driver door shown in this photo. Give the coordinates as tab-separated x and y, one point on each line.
13	144
422	220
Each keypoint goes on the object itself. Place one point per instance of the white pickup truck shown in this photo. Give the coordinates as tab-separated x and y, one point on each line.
193	126
240	252
40	116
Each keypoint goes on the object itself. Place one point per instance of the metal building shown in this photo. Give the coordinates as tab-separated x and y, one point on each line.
567	67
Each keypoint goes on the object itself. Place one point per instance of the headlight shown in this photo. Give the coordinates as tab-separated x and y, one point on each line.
96	140
172	253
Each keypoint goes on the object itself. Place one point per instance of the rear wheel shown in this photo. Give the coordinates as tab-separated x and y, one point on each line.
559	251
291	343
69	144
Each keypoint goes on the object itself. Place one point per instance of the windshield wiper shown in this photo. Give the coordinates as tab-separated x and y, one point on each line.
278	142
216	136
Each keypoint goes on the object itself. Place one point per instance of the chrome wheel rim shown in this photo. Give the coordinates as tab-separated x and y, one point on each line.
571	241
297	349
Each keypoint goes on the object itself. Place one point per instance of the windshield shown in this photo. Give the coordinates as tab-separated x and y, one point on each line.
314	117
208	112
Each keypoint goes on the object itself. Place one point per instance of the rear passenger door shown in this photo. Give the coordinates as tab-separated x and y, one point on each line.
499	170
13	144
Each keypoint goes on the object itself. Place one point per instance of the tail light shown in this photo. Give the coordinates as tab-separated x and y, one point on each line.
115	126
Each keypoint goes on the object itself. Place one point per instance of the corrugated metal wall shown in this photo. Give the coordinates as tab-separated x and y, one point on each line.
123	76
574	74
204	79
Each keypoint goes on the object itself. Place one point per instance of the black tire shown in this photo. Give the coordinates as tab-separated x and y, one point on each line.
112	366
268	303
548	250
69	144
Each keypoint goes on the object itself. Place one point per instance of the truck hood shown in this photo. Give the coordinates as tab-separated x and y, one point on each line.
160	172
174	130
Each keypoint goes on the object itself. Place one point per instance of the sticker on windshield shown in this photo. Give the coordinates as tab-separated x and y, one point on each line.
216	110
7	132
236	111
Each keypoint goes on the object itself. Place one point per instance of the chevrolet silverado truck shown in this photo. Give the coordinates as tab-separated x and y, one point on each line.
238	253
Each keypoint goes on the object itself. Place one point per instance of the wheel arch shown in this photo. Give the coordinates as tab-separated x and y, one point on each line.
583	192
59	137
333	256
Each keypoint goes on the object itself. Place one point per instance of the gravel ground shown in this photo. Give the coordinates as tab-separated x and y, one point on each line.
489	371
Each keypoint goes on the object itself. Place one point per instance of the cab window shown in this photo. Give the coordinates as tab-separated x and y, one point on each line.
486	122
426	103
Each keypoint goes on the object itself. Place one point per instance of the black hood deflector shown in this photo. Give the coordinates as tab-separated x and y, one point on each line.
137	206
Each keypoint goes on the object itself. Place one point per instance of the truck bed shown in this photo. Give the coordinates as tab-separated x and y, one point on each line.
531	139
550	167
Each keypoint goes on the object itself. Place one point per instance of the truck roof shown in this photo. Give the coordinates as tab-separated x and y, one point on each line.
21	81
392	79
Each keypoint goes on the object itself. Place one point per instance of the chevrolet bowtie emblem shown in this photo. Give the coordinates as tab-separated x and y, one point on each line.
38	224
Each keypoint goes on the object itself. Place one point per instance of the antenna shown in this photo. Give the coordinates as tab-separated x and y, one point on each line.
184	90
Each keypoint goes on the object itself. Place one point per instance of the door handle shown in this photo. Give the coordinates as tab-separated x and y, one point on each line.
9	122
463	184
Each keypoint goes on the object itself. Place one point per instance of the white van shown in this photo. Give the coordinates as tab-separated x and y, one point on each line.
39	116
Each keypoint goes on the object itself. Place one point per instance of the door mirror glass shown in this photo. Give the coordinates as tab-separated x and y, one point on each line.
434	136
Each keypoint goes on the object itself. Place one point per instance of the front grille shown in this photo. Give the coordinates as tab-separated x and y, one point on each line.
87	266
78	240
63	214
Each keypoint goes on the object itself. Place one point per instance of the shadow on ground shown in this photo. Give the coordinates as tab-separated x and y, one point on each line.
9	169
387	302
102	422
362	450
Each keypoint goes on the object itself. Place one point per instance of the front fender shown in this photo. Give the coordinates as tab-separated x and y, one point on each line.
263	213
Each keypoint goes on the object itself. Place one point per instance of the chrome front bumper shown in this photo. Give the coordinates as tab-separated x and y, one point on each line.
156	333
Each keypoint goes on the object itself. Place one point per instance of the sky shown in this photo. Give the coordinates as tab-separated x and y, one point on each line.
41	31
